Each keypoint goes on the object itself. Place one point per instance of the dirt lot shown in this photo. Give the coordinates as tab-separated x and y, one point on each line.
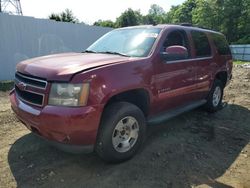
196	149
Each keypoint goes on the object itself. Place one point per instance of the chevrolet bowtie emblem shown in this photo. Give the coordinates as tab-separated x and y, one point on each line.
21	85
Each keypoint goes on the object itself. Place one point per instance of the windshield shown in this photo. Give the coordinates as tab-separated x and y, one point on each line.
134	42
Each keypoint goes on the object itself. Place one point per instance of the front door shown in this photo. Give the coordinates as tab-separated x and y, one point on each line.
174	80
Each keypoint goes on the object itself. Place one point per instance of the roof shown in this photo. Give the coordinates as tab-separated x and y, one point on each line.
166	26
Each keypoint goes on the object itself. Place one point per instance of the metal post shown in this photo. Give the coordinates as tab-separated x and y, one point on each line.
20	8
11	7
243	54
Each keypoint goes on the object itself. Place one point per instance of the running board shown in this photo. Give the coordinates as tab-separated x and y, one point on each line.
172	113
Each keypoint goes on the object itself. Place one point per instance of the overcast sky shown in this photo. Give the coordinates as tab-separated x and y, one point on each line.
90	11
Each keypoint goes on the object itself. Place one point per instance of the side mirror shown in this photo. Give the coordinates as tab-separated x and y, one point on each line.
175	53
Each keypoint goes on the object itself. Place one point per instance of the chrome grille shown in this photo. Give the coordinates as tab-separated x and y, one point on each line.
30	89
34	82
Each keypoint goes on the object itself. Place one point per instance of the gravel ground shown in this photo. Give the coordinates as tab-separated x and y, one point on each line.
195	149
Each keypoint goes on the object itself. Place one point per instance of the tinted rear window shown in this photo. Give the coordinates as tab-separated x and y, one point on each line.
221	44
201	44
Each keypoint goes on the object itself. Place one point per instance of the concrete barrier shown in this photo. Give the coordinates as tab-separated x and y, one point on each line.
241	52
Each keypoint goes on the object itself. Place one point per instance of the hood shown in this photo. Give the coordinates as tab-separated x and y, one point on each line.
62	66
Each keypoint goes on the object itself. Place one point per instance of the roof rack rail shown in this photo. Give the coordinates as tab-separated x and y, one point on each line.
186	24
191	25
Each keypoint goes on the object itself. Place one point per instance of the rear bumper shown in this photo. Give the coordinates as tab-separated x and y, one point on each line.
68	128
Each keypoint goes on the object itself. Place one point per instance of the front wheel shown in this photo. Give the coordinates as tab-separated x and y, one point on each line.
122	132
215	96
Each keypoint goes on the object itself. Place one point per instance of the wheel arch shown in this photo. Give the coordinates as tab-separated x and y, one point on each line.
140	97
222	76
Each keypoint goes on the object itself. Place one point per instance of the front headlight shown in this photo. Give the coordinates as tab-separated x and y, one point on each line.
63	94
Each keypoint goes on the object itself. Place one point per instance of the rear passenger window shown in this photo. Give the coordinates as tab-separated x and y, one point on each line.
221	44
201	44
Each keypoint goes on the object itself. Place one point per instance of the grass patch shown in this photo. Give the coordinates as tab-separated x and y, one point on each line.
6	85
240	62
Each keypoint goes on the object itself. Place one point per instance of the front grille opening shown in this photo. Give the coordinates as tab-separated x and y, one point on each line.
29	97
31	81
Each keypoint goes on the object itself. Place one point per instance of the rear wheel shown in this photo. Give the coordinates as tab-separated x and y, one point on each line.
122	132
215	96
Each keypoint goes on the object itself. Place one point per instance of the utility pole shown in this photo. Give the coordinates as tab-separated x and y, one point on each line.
11	7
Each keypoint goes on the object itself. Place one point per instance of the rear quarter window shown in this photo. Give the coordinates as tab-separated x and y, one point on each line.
221	44
201	44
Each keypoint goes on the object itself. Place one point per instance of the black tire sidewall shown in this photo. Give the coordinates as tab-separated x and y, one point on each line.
112	115
209	105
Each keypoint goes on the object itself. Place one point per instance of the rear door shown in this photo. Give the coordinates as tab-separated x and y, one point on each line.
223	55
205	63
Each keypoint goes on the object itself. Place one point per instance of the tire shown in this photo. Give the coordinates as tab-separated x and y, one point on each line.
214	99
122	132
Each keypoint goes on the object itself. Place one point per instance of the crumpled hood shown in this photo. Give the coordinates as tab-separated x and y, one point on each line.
63	66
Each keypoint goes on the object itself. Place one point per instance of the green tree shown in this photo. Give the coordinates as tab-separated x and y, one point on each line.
244	24
156	15
129	18
65	16
231	17
204	15
170	15
156	10
183	14
233	10
105	23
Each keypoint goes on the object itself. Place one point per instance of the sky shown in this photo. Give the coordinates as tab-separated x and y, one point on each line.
91	10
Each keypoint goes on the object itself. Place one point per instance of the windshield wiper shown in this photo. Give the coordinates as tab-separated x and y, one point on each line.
115	53
106	52
89	51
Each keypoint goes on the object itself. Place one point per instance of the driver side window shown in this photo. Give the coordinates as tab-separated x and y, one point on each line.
177	38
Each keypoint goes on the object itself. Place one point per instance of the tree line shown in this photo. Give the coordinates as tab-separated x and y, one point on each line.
231	17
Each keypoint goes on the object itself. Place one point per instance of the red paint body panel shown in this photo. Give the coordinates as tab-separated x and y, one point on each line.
61	67
111	80
76	126
168	84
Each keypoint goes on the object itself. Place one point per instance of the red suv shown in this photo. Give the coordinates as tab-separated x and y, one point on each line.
102	99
